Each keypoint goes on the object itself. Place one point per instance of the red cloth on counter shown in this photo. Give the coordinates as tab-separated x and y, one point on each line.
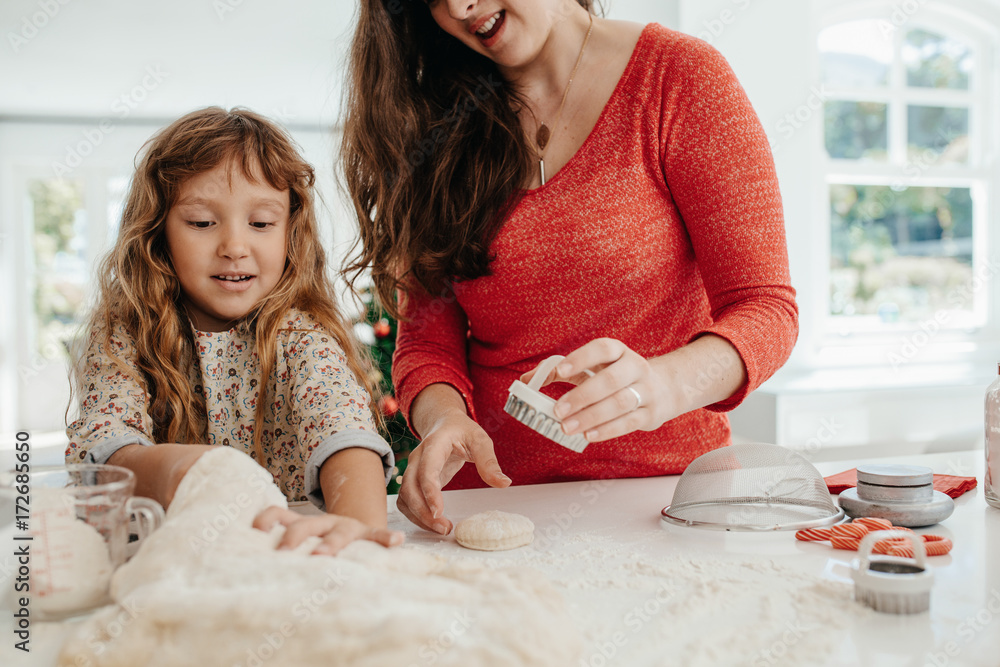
948	484
665	225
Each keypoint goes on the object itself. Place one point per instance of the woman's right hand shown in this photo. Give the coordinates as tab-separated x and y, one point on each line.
452	440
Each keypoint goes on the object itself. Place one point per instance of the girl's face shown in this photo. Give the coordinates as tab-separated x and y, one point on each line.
227	240
509	32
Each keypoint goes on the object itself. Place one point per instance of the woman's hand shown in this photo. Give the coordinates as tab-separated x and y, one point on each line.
452	440
631	393
336	531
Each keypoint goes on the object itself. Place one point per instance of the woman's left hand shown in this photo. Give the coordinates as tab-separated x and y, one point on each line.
335	530
625	394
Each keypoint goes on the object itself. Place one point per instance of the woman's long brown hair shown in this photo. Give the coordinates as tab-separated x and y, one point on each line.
433	152
138	287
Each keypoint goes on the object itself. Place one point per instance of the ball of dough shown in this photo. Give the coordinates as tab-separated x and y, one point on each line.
495	531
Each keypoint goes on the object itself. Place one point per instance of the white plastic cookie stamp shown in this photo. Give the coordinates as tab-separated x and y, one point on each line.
495	531
528	405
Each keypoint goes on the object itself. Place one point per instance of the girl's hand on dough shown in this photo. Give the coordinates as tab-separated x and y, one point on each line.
453	440
336	531
625	394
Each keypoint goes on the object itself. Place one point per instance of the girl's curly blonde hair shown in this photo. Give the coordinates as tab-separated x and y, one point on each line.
138	288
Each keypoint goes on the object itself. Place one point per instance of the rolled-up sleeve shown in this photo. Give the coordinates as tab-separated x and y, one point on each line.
330	407
112	402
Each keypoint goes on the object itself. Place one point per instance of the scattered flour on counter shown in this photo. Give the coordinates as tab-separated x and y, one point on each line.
208	589
635	611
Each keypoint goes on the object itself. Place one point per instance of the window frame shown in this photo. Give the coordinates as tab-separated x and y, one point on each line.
876	345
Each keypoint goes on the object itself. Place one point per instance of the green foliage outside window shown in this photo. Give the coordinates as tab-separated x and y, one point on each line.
898	254
936	61
60	264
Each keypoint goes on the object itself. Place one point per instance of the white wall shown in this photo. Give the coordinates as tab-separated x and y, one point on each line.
158	60
84	84
140	63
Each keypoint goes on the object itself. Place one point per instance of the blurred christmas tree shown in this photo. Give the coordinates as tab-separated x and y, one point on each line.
377	331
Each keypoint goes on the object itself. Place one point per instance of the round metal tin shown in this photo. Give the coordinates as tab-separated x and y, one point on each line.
909	514
912	494
895	475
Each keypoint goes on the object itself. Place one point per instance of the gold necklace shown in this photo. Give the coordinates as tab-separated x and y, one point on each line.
544	134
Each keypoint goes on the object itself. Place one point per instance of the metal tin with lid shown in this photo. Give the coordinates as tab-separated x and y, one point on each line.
895	475
902	494
895	483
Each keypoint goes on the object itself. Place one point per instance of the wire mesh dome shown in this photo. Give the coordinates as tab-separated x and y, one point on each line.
752	487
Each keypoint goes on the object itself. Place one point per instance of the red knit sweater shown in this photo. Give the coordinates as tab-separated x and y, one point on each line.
665	225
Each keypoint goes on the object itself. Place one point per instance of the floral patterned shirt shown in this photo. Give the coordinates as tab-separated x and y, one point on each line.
317	407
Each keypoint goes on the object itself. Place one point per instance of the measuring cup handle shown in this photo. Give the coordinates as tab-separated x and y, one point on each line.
148	515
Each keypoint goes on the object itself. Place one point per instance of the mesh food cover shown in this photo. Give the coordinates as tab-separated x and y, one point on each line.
752	487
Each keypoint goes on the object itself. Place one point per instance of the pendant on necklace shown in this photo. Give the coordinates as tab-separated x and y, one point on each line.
541	169
542	136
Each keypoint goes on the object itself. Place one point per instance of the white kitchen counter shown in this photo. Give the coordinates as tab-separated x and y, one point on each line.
601	543
962	627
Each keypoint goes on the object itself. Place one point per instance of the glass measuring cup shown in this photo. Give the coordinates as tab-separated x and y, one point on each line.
79	525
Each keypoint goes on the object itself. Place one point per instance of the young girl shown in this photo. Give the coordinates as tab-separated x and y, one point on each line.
539	181
216	325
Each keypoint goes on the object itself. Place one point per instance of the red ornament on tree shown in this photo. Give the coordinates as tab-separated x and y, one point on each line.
389	406
382	329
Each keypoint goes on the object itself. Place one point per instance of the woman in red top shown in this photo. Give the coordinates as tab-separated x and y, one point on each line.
532	181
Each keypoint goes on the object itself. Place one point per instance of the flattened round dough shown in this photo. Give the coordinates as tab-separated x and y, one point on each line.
495	531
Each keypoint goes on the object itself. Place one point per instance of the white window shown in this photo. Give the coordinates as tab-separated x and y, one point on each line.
60	228
907	167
